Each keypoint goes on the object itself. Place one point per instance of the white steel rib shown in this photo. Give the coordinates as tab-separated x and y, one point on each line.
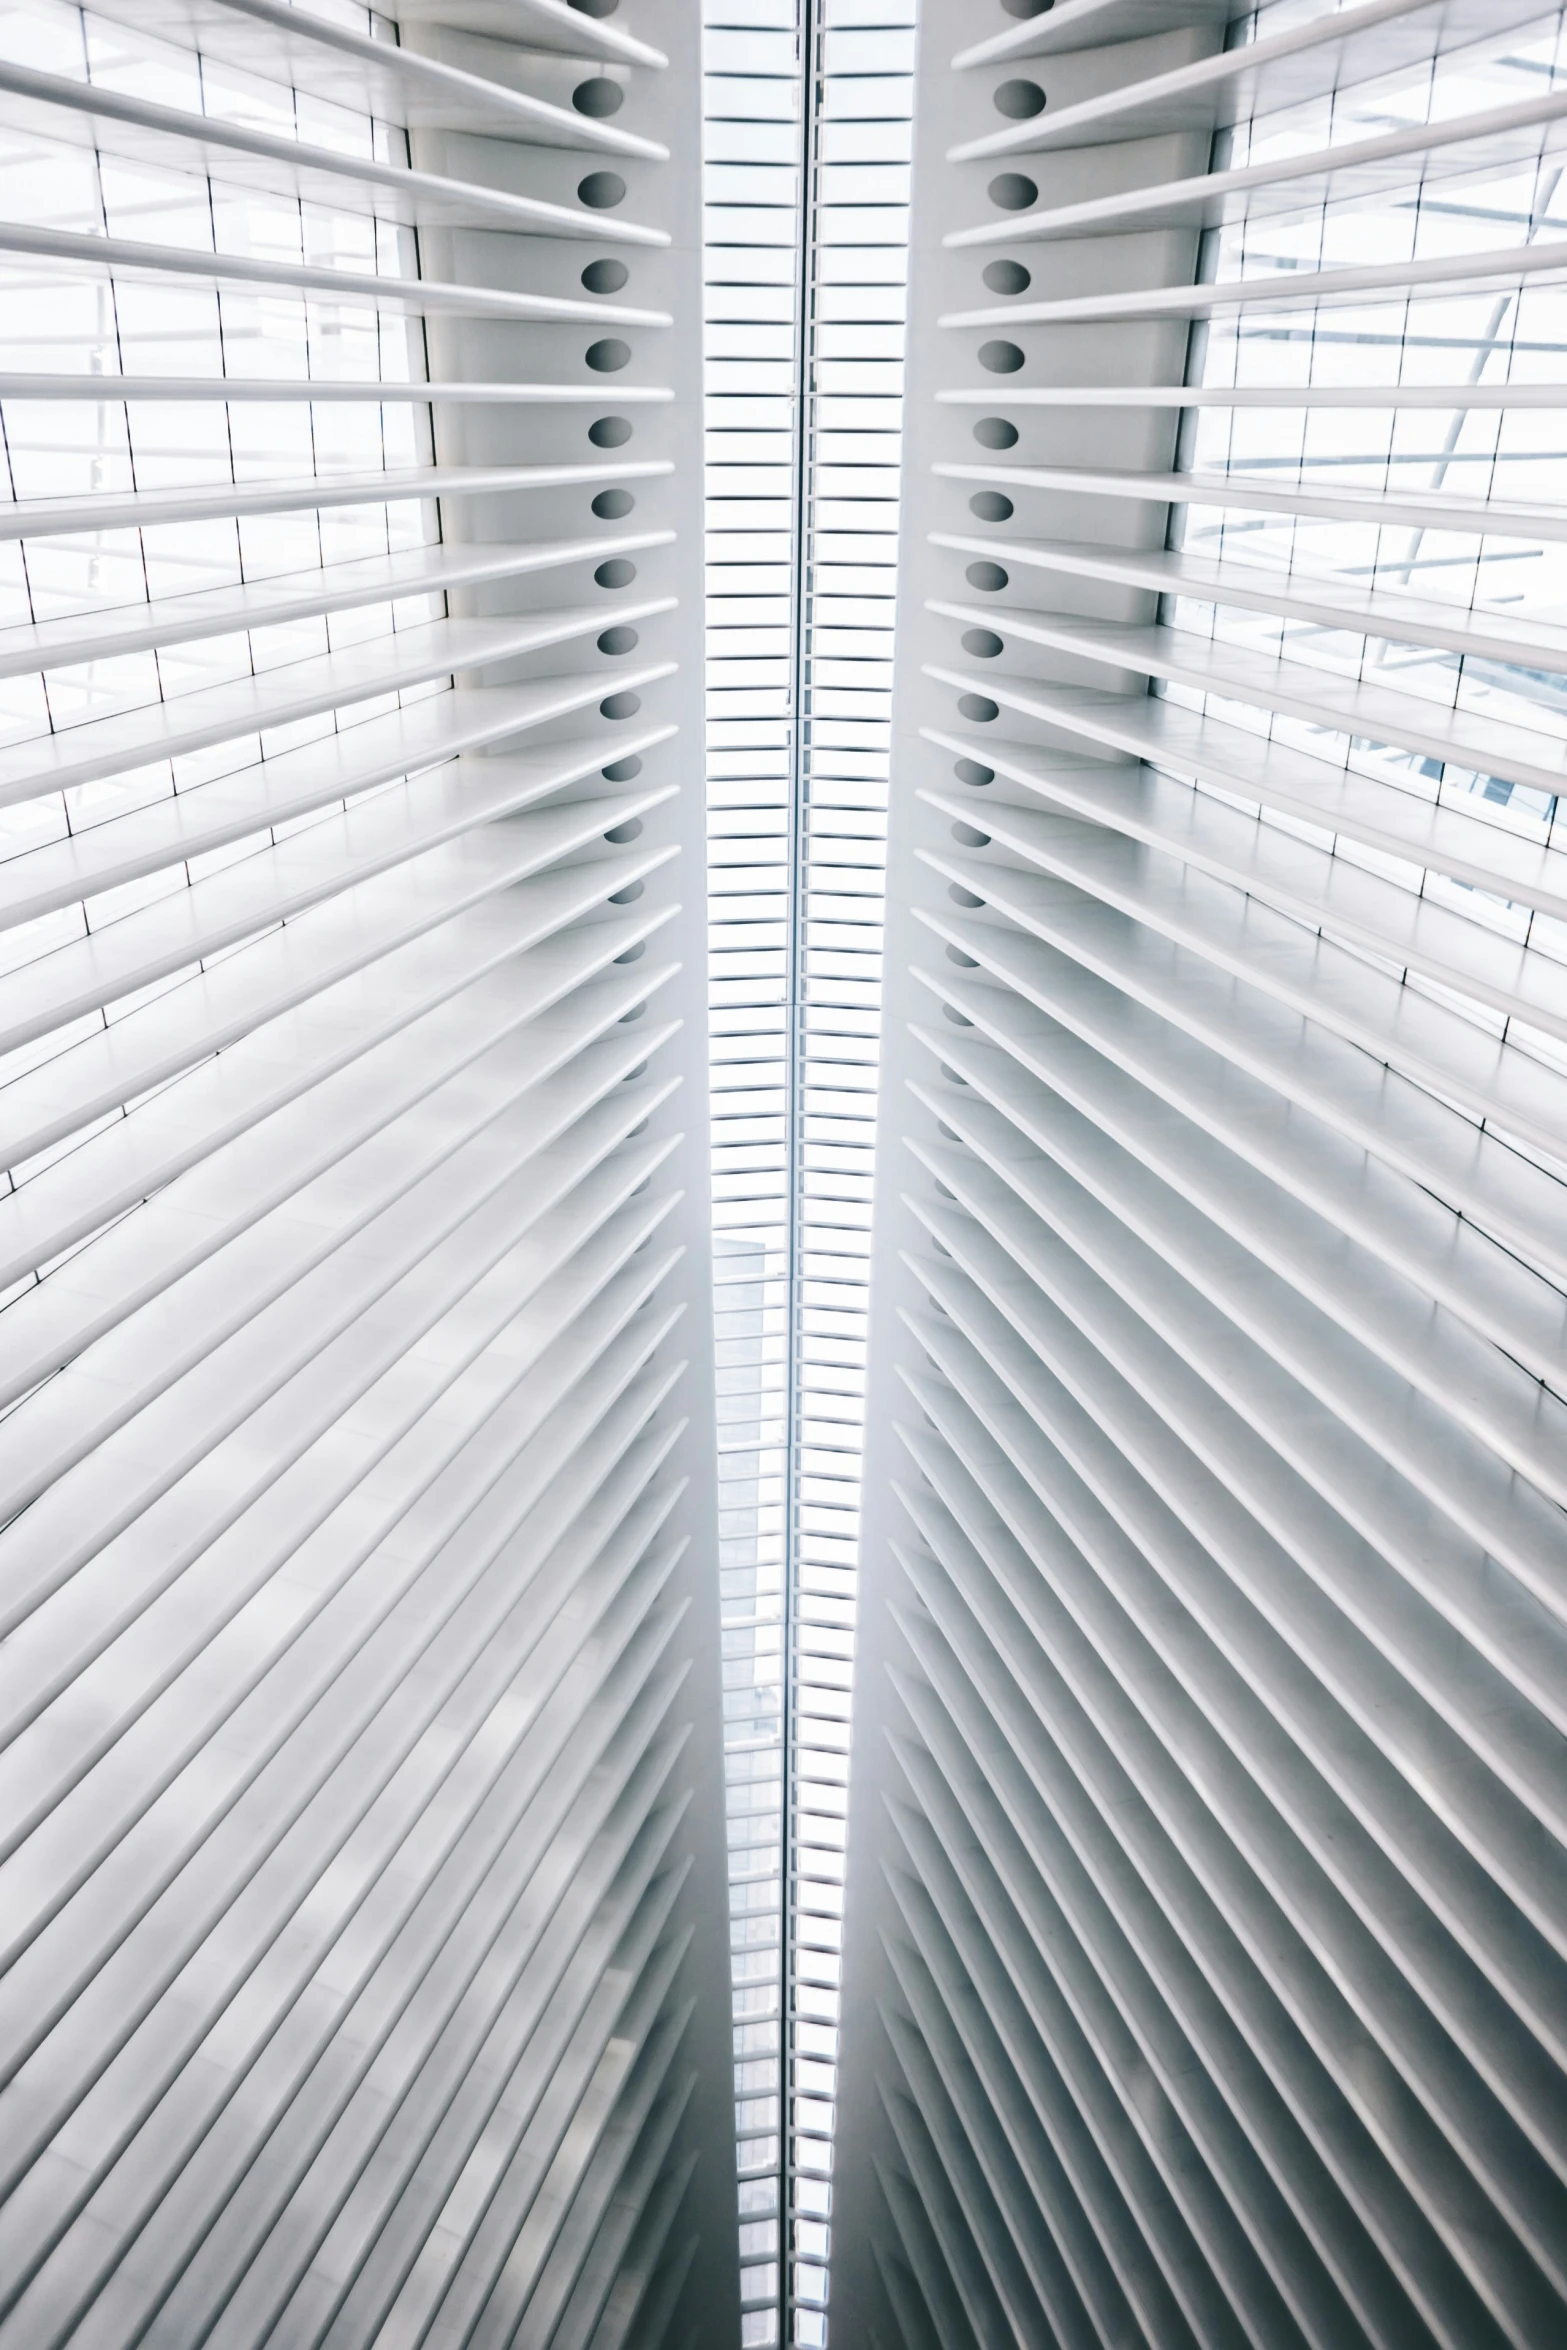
364	1971
1207	1919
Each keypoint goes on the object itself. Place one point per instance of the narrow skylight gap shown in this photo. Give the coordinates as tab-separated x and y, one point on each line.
807	130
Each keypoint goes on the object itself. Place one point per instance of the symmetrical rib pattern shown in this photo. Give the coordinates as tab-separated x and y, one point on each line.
1208	1906
363	1972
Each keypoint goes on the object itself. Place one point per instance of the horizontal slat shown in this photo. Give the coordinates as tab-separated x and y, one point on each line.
138	262
68	1199
390	79
1356	1095
536	1277
411	958
1202	836
1364	708
434	569
304	689
1044	2127
606	1686
440	805
1161	1839
1489	1398
345	929
620	1837
550	1101
1233	1307
1023	2262
1086	24
1149	2197
1347	1430
1128	1070
1444	396
1439	837
1481	633
340	390
554	27
556	1268
432	1458
1427	510
345	1488
1238	1859
1177	2064
1319	980
1494	138
385	2219
1492	270
1215	1647
146	509
938	2210
1311	58
241	154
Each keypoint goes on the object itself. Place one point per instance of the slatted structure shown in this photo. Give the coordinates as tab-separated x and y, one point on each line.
1207	1908
364	1978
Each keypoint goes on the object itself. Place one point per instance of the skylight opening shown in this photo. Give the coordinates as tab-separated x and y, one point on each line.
807	148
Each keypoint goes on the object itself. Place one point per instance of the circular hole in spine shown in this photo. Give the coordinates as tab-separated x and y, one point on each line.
970	771
601	191
615	706
615	505
1020	101
618	640
982	644
618	573
997	358
1002	277
610	432
1009	191
985	506
601	97
988	577
622	770
995	432
605	277
978	709
609	355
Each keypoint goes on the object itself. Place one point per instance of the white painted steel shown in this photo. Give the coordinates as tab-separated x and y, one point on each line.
1206	1941
363	1975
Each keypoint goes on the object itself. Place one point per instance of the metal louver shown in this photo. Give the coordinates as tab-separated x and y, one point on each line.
365	1976
1208	1910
